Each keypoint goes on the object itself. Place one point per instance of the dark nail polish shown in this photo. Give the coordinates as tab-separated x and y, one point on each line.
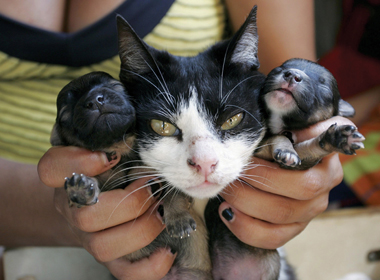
173	251
111	156
155	187
288	135
160	210
228	214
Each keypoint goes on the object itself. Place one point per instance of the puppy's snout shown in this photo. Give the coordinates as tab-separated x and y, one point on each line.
95	103
292	76
100	99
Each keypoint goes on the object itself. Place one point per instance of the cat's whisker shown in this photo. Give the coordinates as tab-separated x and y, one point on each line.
222	73
140	76
163	84
123	171
244	110
256	181
170	189
125	197
137	175
224	99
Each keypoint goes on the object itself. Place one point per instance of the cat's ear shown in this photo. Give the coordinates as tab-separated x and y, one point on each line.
345	109
135	57
245	43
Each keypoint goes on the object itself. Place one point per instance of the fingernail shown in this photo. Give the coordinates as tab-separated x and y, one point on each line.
160	213
173	251
160	210
111	156
154	187
228	214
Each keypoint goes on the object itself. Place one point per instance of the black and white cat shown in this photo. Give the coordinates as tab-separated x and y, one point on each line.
198	122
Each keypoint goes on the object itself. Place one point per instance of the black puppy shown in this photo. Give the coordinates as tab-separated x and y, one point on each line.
297	95
93	112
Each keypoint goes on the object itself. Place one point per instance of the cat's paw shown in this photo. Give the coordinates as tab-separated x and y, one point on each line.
344	139
180	227
286	157
82	190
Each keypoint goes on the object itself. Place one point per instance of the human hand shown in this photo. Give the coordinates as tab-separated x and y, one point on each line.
123	221
270	205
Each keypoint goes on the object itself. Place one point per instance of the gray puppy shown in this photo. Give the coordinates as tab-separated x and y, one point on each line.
295	96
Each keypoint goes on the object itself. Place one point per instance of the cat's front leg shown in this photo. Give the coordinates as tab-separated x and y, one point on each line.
82	190
177	218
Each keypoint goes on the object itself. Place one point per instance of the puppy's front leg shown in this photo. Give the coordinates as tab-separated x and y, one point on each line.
280	149
82	190
343	139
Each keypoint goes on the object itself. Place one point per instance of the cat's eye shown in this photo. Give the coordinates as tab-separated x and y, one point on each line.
163	128
232	122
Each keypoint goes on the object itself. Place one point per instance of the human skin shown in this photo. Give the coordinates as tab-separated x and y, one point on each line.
280	214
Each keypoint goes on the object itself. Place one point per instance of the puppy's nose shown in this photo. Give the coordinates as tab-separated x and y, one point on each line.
95	103
292	76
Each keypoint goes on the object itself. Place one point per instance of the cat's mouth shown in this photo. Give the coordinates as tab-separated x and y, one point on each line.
204	190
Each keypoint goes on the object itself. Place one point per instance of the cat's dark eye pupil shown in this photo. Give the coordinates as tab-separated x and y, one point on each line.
89	105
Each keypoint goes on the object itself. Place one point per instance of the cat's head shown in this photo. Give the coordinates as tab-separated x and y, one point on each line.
198	120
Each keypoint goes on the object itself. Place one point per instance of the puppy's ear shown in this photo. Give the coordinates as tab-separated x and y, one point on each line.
135	54
345	109
245	43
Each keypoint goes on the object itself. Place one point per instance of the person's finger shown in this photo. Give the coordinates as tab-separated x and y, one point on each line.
272	208
256	232
155	267
62	161
300	185
112	243
114	207
318	128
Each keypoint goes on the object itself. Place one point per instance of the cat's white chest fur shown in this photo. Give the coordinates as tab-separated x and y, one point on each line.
200	164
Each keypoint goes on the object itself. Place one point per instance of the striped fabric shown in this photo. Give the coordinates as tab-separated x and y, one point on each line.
28	90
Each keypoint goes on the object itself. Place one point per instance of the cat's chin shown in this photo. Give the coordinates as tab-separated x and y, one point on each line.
204	190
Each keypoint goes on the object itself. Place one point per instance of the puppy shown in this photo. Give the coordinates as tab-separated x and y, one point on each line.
295	96
94	112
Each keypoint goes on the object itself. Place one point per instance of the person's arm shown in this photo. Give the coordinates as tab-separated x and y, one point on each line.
123	221
28	215
285	28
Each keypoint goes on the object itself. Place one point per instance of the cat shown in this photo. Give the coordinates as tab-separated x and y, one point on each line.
198	118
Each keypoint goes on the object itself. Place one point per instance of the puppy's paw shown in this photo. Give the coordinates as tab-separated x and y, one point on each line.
181	226
286	157
344	139
82	190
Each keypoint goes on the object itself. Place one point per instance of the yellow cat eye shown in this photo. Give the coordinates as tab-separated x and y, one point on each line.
163	128
232	122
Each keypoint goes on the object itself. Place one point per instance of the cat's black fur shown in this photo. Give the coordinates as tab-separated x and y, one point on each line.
229	70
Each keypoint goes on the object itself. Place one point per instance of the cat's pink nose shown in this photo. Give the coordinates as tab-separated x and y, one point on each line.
203	166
